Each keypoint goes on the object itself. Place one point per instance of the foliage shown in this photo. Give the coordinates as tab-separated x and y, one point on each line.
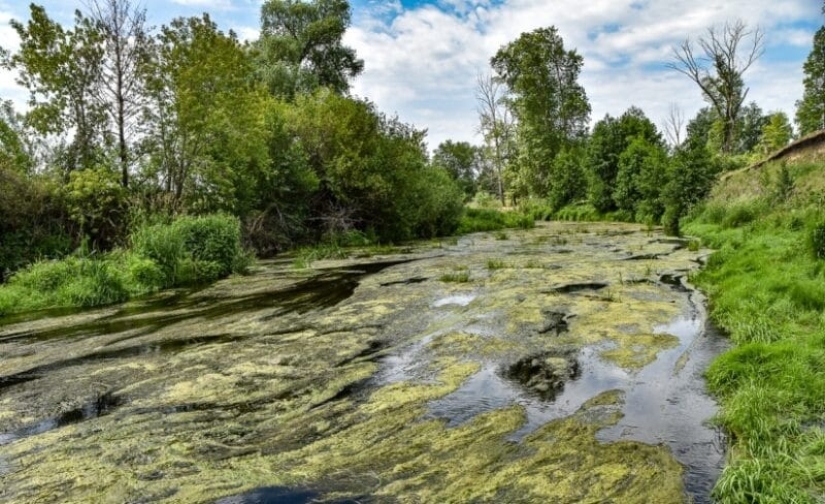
96	203
193	249
373	171
690	178
300	48
641	176
462	161
207	144
609	139
776	133
62	70
546	98
33	220
816	240
810	110
485	219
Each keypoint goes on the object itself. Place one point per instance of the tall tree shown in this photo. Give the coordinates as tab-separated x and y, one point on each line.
61	69
717	67
301	46
776	133
546	98
610	138
751	122
462	161
204	119
810	110
673	124
495	125
123	29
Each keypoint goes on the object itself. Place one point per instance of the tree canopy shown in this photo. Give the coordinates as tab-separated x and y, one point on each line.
810	110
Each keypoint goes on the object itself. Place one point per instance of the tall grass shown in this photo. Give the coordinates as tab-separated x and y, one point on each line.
187	250
766	284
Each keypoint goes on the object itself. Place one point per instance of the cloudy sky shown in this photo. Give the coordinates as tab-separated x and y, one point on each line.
423	56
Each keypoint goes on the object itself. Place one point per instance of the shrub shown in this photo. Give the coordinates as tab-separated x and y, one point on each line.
193	249
816	240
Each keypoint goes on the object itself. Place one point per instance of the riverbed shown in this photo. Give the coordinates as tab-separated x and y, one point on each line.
558	364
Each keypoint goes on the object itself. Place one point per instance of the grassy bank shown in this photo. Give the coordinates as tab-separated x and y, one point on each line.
766	285
189	250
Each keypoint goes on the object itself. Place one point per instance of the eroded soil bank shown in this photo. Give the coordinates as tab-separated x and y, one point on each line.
567	368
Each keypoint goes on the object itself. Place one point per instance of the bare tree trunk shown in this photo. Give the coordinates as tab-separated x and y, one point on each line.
123	27
496	124
719	68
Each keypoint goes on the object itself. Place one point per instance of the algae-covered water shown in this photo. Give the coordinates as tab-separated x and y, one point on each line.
566	369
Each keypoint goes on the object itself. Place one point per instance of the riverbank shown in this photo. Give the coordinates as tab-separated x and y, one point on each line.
766	285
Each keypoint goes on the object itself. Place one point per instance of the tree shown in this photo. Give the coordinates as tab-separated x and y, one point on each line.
810	110
751	122
546	98
462	161
641	176
673	125
610	138
717	68
690	177
122	27
61	69
300	46
205	139
15	146
777	133
496	126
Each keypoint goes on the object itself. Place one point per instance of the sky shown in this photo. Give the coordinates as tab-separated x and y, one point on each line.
422	57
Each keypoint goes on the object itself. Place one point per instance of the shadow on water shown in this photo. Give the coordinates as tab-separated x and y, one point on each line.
324	290
101	405
284	495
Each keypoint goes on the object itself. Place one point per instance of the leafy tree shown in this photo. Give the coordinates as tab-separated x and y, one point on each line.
205	139
691	175
546	98
777	133
372	171
640	179
15	145
810	110
300	46
462	161
751	123
721	83
569	177
61	69
610	137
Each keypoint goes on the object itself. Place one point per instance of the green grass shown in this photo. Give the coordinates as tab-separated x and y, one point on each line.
456	277
496	264
766	287
189	250
486	219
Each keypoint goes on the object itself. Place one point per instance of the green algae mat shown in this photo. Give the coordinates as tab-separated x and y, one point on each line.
560	364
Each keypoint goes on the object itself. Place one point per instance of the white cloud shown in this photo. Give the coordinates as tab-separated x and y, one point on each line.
422	62
206	4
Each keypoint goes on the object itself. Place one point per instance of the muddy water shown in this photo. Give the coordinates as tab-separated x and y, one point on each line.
567	369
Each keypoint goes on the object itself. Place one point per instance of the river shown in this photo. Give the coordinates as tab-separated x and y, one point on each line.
559	364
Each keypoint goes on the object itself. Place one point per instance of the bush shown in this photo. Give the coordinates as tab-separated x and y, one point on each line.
816	240
193	249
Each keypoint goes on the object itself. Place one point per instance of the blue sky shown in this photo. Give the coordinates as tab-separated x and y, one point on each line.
423	56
